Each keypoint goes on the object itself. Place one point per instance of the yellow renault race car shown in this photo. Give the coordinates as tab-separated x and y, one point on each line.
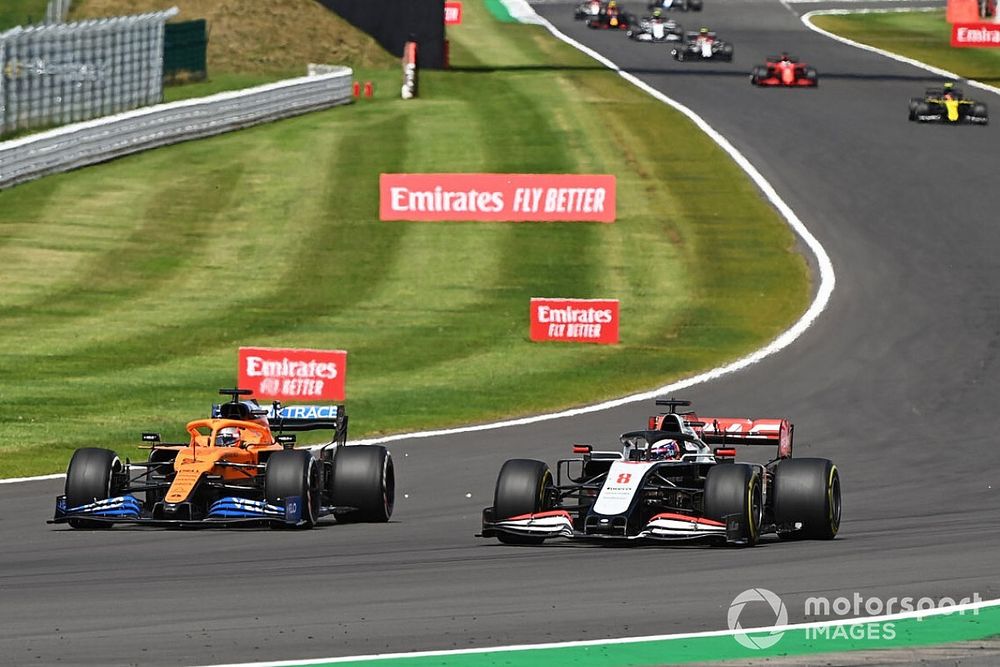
947	105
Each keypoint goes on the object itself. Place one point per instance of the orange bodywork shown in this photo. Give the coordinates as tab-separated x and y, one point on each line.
203	454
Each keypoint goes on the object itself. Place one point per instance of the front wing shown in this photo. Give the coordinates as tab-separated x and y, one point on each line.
664	527
773	81
228	511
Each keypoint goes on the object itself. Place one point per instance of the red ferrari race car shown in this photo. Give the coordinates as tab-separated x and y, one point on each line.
677	480
786	71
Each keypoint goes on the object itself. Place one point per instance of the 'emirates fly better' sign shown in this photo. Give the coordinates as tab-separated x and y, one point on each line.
287	373
575	320
975	35
497	197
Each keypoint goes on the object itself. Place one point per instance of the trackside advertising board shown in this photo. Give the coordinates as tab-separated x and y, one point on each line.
975	35
497	197
289	373
452	13
575	320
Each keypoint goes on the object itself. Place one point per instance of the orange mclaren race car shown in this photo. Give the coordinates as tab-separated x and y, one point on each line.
238	467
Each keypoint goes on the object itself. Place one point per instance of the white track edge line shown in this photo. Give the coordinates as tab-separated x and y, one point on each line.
807	20
973	607
822	298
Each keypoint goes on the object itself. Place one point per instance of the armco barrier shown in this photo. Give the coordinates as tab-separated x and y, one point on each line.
107	138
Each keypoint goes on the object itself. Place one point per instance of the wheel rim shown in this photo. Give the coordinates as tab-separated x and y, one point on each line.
834	495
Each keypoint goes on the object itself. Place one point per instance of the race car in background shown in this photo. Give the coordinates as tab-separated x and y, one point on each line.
783	70
655	29
588	10
947	104
681	5
612	18
703	45
668	483
238	467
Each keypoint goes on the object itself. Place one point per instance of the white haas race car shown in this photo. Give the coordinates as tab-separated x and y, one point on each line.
656	29
668	483
703	45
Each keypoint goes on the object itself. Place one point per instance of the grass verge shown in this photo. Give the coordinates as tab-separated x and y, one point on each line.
21	12
129	286
923	36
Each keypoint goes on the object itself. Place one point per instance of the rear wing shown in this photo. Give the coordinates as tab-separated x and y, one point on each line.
290	418
309	418
738	431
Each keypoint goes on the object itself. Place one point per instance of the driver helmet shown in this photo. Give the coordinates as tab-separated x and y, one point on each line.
612	4
657	13
784	56
703	32
665	450
227	437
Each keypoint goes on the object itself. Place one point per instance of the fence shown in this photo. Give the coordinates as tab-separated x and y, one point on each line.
57	10
103	139
67	72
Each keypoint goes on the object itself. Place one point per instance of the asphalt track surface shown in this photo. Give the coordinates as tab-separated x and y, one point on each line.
896	382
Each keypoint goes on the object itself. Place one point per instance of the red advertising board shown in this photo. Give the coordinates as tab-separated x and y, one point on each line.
498	197
975	35
288	373
575	320
452	13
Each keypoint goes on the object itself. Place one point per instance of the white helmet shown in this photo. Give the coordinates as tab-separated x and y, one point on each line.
227	437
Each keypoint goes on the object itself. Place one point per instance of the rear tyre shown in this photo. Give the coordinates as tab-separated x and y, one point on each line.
294	473
522	488
807	494
90	477
979	111
734	489
363	478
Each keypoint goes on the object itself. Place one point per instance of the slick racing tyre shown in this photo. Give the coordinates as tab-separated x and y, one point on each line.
734	489
980	112
91	476
294	473
758	73
522	488
807	499
812	75
363	478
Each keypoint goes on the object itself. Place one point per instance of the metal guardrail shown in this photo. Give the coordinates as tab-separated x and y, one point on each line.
102	139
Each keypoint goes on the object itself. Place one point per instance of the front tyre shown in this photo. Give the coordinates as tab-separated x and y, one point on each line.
522	488
294	473
91	477
365	479
807	499
733	490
